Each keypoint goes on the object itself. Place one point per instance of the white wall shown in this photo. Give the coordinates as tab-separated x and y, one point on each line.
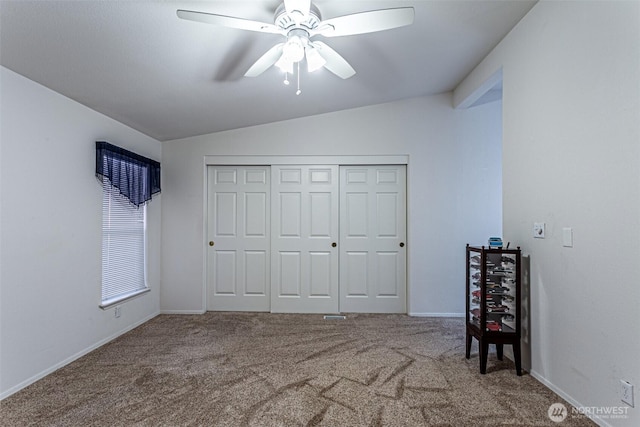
572	159
453	188
51	204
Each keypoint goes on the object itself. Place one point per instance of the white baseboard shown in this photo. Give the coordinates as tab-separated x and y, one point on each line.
557	390
70	359
182	311
436	314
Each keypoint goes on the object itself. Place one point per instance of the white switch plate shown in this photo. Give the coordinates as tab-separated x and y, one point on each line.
627	392
567	237
118	311
538	230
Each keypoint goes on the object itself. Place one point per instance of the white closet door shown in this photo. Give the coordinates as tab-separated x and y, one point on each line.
372	239
304	259
238	263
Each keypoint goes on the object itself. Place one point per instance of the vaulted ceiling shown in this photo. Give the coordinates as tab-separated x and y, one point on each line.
136	62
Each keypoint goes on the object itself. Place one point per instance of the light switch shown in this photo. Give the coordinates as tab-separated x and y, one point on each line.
538	230
567	237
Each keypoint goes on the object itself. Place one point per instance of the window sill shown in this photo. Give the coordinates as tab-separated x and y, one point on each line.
122	298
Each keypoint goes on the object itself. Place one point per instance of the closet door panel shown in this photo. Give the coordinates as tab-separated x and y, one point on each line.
305	223
238	238
373	239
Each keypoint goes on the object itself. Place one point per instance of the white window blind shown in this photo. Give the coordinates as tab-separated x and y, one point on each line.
123	247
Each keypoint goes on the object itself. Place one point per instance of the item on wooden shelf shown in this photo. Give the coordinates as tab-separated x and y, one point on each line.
495	242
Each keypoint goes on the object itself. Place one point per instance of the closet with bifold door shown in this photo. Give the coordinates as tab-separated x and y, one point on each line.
306	238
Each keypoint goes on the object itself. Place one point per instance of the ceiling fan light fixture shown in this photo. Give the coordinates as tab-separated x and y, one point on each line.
293	49
315	61
285	65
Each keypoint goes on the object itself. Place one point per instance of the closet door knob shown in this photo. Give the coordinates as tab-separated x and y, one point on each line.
402	244
211	243
334	244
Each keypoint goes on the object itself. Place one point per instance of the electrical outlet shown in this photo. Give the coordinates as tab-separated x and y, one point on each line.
118	311
626	392
538	230
567	237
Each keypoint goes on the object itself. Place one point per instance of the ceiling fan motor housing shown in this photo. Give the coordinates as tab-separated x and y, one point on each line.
290	21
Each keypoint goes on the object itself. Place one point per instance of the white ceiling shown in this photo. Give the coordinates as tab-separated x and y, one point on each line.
136	62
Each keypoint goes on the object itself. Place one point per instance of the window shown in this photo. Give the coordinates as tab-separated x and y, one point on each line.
128	183
123	247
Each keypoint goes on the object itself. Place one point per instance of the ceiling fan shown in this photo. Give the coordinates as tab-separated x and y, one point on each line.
300	21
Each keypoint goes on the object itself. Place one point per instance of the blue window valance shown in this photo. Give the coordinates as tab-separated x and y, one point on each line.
136	177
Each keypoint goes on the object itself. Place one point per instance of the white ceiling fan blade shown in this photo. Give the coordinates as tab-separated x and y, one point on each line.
228	21
299	9
265	61
366	22
335	63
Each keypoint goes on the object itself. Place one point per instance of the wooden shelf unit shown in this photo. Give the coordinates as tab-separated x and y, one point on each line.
493	298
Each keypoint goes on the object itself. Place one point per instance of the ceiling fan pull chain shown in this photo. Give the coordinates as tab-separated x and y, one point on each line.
298	92
286	78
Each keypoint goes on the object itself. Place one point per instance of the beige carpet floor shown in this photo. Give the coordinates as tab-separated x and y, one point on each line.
244	369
